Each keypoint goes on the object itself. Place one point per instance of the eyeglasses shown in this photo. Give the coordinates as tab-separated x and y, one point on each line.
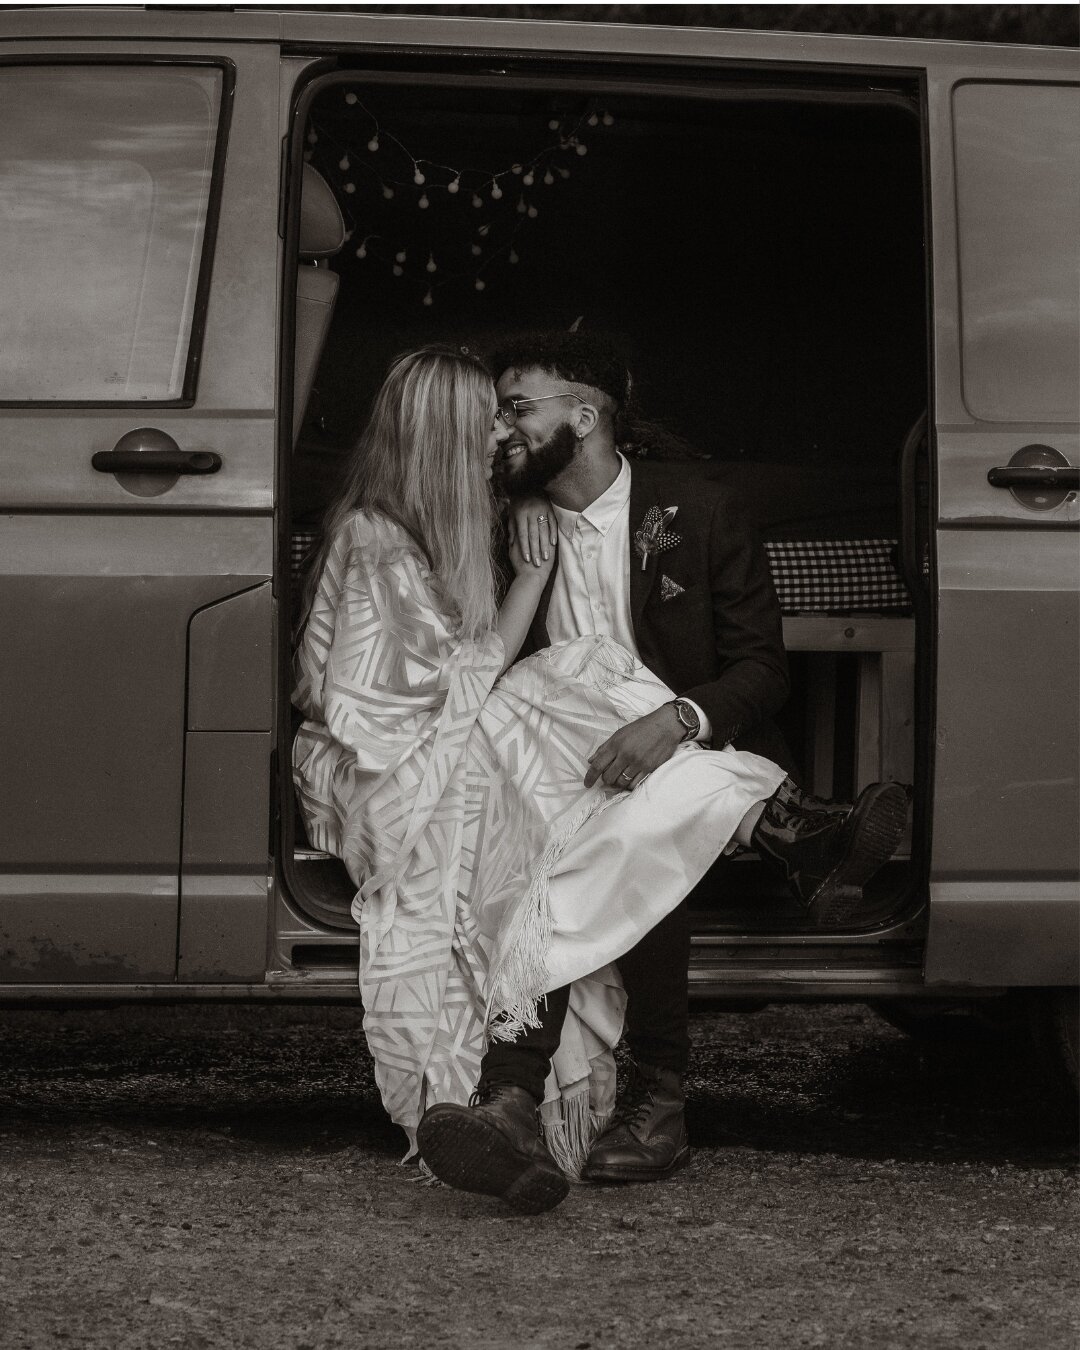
510	409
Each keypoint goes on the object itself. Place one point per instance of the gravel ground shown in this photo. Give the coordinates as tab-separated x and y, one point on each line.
226	1177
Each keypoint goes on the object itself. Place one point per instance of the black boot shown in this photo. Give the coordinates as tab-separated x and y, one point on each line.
493	1146
645	1139
828	851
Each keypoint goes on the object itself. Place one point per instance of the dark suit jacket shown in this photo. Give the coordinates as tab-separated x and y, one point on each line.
720	641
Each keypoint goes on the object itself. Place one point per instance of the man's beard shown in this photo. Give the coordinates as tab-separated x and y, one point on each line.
532	470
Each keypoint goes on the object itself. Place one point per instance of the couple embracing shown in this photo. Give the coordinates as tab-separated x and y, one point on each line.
525	781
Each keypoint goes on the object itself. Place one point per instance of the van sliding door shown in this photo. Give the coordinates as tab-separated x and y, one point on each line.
139	250
1005	164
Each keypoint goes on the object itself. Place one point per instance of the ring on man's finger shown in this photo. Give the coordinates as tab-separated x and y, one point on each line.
626	773
541	520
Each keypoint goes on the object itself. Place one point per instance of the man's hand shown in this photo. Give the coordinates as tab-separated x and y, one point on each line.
636	749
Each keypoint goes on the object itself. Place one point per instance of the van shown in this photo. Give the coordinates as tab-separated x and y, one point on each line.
847	269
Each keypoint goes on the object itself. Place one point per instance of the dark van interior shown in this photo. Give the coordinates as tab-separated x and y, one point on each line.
758	248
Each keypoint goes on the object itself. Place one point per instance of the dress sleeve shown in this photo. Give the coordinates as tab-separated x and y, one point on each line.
381	647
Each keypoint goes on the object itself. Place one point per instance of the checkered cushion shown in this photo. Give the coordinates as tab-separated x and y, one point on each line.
300	546
817	576
831	576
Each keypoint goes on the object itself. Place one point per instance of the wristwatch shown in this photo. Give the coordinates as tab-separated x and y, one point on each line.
687	715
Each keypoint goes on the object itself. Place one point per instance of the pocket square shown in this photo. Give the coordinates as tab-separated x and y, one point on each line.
670	589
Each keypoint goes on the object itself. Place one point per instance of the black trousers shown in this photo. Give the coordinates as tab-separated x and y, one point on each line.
654	974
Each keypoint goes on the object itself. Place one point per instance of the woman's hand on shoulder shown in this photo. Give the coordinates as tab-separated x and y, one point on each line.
533	532
534	567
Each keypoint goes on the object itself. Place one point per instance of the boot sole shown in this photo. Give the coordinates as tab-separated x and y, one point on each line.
880	816
611	1173
469	1154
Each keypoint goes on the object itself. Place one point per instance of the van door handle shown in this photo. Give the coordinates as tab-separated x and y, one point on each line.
156	461
149	450
1035	476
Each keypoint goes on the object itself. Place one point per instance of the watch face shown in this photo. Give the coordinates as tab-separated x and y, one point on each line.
687	716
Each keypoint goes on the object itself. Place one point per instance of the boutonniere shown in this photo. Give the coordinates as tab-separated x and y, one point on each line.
653	535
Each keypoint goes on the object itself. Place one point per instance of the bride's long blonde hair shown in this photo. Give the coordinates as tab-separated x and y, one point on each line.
420	460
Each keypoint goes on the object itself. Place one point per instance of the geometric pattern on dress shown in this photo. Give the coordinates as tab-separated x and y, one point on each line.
439	785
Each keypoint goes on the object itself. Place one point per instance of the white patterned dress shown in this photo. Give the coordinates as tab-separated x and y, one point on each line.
486	872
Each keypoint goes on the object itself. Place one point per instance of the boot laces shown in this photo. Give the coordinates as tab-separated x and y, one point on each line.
632	1108
488	1090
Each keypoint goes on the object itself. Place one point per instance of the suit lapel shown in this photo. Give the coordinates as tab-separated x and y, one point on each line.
641	582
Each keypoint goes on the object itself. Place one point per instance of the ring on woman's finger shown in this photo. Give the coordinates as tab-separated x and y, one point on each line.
541	520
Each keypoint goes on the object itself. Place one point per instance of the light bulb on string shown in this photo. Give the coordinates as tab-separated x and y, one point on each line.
532	213
419	179
361	252
476	199
373	144
607	119
429	299
581	149
529	179
400	256
593	119
512	256
521	206
399	271
515	168
423	203
483	231
496	192
475	250
480	284
350	188
343	164
563	173
549	177
350	98
431	265
387	191
455	185
553	125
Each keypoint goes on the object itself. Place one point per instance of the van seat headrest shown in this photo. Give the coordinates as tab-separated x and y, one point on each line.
322	230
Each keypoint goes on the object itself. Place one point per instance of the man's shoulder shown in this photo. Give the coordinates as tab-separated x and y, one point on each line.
686	482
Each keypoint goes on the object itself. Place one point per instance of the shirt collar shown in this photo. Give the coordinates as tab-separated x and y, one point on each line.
605	510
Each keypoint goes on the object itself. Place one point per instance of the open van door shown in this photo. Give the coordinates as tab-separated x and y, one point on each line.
1005	170
140	256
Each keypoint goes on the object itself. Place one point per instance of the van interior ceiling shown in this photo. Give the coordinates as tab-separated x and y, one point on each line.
762	260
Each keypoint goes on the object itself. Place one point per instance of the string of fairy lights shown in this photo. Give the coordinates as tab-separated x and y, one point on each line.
469	221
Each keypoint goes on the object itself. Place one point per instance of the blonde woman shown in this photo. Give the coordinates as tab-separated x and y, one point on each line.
452	784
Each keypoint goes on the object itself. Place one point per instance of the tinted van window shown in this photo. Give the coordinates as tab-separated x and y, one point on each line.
105	182
1018	199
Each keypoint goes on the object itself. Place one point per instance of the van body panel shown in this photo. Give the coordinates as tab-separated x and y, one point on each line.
103	576
231	664
462	36
1004	933
225	870
104	928
1004	904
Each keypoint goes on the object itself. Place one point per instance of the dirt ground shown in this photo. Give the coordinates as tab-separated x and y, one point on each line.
225	1177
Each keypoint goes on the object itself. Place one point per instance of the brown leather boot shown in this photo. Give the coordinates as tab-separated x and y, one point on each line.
828	851
493	1147
646	1137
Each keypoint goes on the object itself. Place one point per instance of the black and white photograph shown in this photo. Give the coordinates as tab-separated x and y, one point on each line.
539	676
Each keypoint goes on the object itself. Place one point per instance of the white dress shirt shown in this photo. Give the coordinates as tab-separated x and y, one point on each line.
591	591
